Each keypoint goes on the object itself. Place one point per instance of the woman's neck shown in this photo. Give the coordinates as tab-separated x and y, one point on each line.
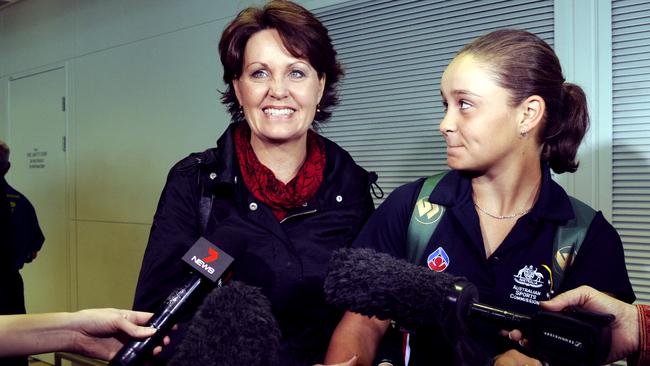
284	159
511	190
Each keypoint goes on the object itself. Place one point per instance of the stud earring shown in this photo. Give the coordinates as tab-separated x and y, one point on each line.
318	107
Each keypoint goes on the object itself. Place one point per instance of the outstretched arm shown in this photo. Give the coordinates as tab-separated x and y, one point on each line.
357	335
98	333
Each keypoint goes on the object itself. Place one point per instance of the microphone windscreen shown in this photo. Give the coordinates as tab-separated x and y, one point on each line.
376	284
234	326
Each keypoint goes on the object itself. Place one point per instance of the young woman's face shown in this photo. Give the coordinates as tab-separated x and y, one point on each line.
480	128
278	92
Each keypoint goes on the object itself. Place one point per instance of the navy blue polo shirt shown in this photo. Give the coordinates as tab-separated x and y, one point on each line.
516	276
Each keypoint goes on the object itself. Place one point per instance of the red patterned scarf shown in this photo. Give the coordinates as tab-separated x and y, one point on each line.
261	181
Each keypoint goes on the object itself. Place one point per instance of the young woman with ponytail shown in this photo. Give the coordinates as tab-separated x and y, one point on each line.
510	119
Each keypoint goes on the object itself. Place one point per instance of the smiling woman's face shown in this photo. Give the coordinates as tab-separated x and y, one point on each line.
480	127
278	92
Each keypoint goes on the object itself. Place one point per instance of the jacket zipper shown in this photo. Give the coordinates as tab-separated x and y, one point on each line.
298	214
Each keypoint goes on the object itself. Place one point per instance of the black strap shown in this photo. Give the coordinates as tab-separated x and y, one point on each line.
206	195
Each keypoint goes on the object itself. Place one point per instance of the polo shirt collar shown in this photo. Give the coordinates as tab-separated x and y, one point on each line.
552	204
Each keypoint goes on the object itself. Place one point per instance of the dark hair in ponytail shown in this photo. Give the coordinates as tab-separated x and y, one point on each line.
525	65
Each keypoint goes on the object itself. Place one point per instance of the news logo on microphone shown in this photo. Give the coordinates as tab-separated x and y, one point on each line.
207	259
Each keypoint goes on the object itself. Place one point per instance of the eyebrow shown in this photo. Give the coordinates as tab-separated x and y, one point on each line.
265	65
462	92
255	62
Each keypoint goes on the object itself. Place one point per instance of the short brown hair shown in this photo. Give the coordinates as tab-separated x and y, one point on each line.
525	65
302	34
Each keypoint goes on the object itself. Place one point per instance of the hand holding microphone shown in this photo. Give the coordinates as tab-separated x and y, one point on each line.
210	266
376	284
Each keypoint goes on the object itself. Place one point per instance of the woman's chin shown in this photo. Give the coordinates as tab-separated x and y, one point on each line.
281	138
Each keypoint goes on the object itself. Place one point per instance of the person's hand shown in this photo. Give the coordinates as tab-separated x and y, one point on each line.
350	362
515	358
625	328
100	333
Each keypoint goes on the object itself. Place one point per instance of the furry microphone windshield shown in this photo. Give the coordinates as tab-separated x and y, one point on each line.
377	284
234	326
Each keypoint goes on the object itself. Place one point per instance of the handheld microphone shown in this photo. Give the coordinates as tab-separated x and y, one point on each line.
376	284
234	326
210	264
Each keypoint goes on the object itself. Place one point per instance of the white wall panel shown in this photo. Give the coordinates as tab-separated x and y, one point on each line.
3	46
37	33
108	262
139	109
101	24
4	85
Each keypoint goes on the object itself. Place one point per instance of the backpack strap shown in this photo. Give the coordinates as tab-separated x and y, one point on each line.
424	219
568	239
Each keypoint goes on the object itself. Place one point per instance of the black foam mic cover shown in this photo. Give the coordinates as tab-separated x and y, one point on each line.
377	284
233	326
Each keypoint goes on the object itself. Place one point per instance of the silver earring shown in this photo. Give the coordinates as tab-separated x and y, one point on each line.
318	107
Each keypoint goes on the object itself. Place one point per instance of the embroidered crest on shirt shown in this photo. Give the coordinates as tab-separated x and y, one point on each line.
529	276
438	260
427	212
528	282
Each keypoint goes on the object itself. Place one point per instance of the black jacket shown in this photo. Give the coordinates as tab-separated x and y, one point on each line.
287	259
25	232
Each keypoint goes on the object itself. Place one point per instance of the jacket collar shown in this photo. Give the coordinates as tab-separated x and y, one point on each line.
225	157
342	176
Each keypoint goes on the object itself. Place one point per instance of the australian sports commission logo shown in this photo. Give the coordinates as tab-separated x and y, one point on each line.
529	276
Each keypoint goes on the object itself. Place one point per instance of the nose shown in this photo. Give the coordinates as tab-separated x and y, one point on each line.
447	125
278	88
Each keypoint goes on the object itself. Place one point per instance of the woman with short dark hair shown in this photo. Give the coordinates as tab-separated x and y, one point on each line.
276	187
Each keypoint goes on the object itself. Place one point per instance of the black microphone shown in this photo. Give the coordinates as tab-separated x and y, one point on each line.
377	284
234	326
210	266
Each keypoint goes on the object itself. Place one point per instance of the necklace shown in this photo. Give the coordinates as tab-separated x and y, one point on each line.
533	194
503	217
